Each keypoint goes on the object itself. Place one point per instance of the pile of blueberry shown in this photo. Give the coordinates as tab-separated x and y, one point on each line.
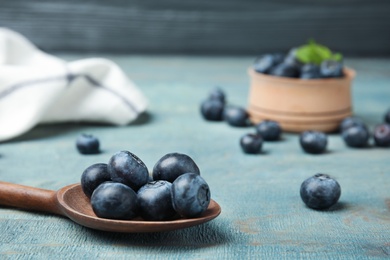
311	61
123	188
214	108
353	130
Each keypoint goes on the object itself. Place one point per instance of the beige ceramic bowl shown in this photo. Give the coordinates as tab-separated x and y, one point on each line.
298	104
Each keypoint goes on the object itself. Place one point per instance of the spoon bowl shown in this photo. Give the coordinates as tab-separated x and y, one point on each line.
71	202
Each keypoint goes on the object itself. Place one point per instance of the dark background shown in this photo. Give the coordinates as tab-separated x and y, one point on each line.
250	27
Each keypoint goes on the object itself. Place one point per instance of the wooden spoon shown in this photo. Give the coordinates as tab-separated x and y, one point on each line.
71	202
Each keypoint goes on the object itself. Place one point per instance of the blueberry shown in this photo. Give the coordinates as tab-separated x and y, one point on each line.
292	59
285	70
218	94
172	165
387	117
382	135
313	141
310	71
269	130
190	195
212	110
251	143
265	63
87	144
127	168
331	69
236	116
320	191
114	200
351	121
155	202
356	136
93	176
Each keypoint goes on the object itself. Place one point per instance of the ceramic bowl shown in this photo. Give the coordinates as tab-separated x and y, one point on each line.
300	104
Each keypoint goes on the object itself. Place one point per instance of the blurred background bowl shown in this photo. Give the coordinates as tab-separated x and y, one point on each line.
300	104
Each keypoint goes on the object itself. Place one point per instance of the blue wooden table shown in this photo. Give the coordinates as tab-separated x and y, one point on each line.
262	213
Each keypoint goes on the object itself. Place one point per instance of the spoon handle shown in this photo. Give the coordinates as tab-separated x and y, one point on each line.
30	198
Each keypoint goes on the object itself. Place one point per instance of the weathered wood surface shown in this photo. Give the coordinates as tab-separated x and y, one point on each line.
262	215
219	27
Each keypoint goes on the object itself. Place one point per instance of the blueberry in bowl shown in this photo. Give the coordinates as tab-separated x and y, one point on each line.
251	143
382	135
331	69
266	62
313	142
291	58
310	71
309	61
285	70
269	130
320	191
87	144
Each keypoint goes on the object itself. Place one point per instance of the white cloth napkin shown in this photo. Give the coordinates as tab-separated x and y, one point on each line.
36	87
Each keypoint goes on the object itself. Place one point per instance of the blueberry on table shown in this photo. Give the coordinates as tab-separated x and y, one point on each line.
87	144
114	200
251	143
313	142
387	117
236	116
310	71
93	176
320	191
270	130
331	69
155	202
172	165
265	63
285	70
190	195
351	121
212	109
356	136
382	135
218	94
125	167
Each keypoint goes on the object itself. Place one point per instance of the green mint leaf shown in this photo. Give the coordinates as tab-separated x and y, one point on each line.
337	56
315	53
